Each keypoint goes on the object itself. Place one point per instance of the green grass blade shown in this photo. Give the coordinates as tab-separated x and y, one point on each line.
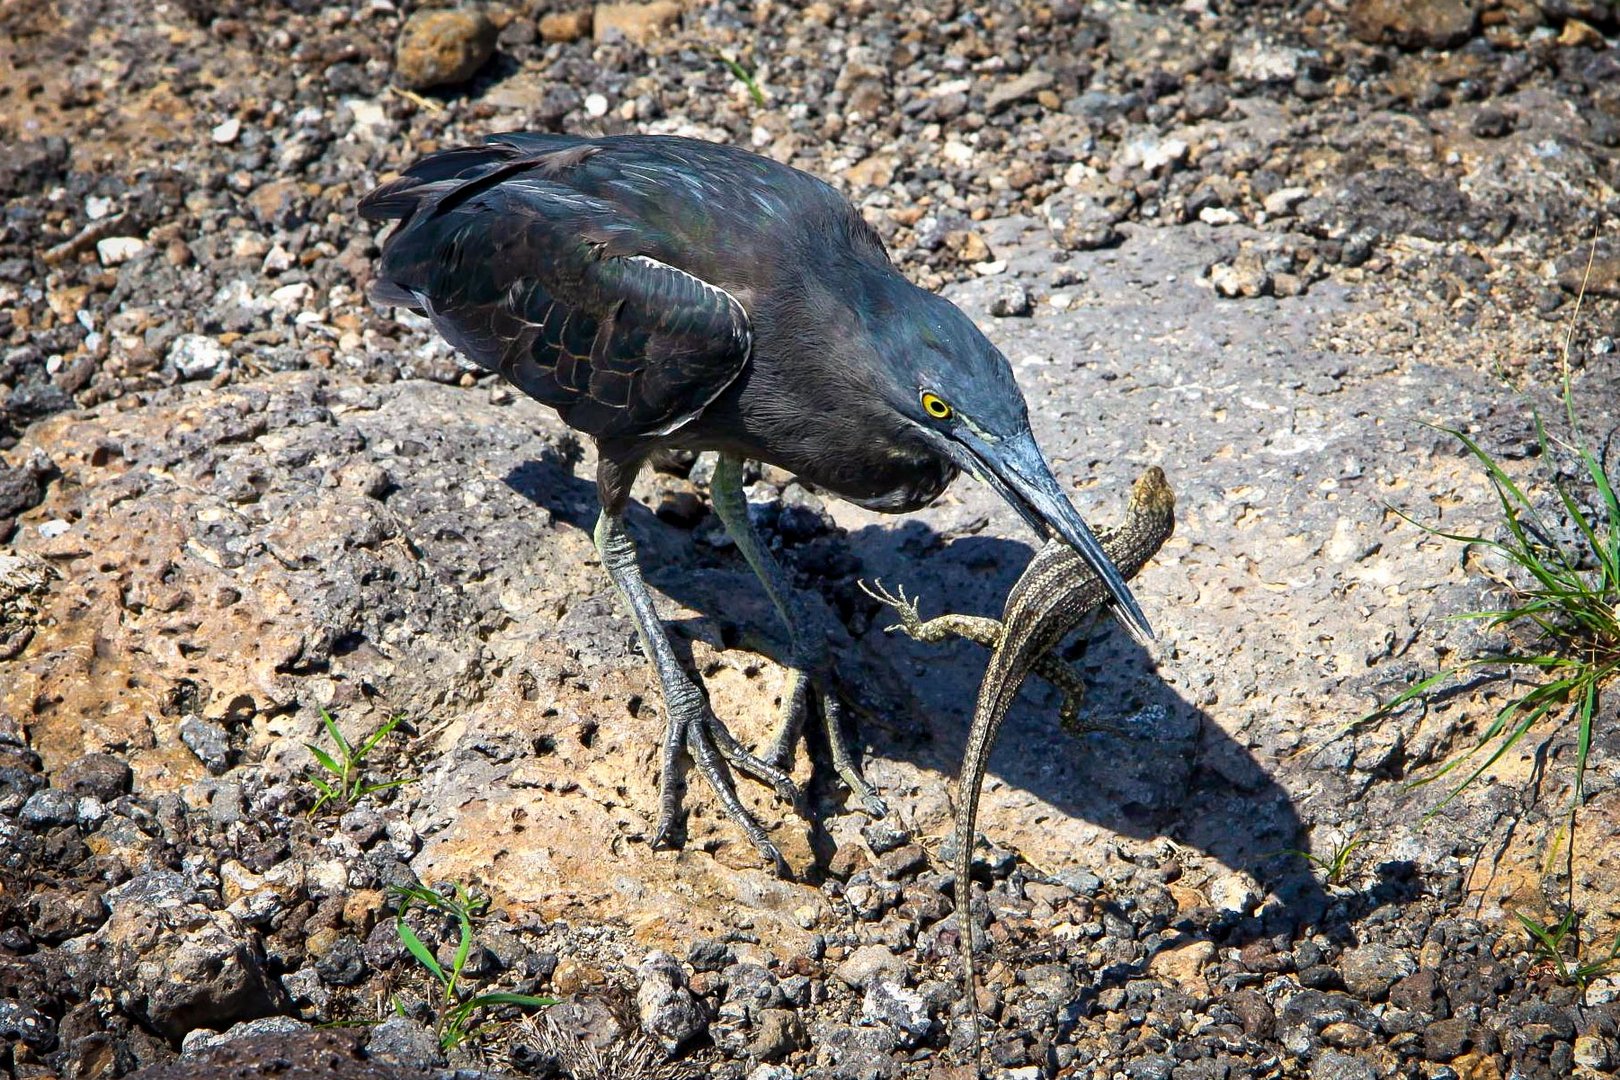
324	759
337	736
379	735
367	789
418	949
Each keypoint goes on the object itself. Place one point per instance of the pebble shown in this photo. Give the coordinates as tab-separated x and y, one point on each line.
50	807
118	250
404	1042
1011	300
1370	970
869	963
669	1011
208	742
226	132
197	356
596	105
902	1009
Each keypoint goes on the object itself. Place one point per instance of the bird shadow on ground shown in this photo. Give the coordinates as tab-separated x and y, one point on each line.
1174	774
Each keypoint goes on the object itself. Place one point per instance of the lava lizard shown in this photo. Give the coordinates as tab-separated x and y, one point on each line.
1056	591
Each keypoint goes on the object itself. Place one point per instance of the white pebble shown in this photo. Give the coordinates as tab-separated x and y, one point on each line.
50	530
991	268
117	250
225	133
97	207
1217	215
596	105
198	356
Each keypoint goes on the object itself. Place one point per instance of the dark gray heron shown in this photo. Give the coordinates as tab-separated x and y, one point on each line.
661	292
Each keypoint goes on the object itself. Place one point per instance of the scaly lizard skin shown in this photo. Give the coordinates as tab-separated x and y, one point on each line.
1055	593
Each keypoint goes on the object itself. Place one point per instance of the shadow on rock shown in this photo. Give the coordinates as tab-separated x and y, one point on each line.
1169	771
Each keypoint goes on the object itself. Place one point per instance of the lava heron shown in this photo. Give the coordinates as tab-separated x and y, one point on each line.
661	292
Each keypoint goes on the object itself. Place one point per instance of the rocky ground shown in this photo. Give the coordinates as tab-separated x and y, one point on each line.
1259	245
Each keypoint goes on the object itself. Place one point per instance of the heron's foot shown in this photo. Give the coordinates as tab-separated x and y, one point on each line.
712	749
808	693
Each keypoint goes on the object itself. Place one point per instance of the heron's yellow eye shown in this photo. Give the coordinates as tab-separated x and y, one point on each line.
935	406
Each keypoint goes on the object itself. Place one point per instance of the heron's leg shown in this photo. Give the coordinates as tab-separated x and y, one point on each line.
691	724
811	662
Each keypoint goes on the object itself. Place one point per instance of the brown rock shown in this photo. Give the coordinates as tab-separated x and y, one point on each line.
1184	966
635	23
1414	24
565	25
442	48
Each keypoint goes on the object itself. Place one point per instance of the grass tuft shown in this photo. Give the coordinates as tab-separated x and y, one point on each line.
455	1007
1551	941
345	782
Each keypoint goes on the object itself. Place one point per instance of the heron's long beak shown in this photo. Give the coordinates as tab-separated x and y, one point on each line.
1018	472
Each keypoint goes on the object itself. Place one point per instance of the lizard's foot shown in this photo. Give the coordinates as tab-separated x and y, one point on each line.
695	729
911	622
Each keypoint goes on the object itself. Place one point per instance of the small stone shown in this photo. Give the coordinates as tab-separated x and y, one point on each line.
669	1011
1244	277
208	741
1370	970
869	963
884	836
443	47
101	775
1017	89
1447	1039
638	24
118	250
405	1043
902	1009
1282	201
203	1039
1492	123
1578	33
49	808
777	1033
710	954
1592	1052
1218	215
226	132
1183	967
1347	1036
565	25
1331	1066
1011	301
595	105
198	356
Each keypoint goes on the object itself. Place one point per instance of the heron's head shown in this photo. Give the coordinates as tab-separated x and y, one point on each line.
955	392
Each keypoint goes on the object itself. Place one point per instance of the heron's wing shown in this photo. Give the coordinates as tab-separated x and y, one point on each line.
559	290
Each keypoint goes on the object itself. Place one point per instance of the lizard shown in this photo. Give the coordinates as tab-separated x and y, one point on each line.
1056	591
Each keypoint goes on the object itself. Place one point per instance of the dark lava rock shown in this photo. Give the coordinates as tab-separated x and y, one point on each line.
101	775
344	964
316	1055
61	914
709	954
49	808
1444	1040
31	164
404	1042
1400	201
1370	970
1492	123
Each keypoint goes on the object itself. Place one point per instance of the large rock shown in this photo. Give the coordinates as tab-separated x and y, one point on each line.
443	47
1414	24
635	23
179	965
